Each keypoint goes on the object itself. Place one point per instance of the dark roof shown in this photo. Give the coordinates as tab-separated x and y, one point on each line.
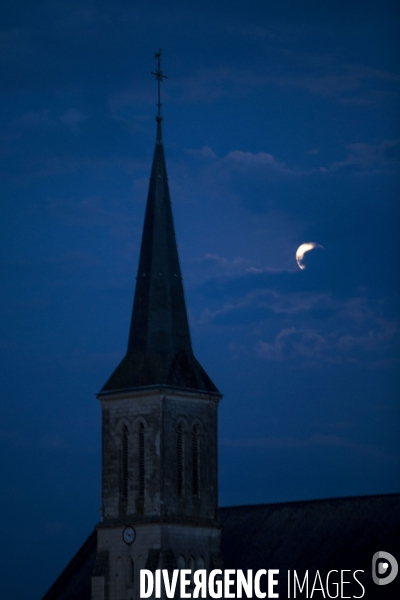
313	534
159	348
337	533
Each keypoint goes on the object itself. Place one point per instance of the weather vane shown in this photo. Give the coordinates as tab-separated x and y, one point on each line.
159	77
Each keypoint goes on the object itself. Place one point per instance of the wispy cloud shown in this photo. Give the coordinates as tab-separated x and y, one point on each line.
213	266
319	74
332	79
362	156
291	342
243	161
257	159
370	98
206	152
41	118
283	323
71	118
330	344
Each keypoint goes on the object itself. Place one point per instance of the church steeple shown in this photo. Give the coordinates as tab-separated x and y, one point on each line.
159	349
159	424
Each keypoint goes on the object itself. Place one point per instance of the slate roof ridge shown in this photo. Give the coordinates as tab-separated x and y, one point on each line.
337	499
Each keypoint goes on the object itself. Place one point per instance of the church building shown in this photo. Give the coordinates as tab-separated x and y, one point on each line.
159	458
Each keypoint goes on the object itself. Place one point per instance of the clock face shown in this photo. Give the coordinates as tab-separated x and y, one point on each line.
129	535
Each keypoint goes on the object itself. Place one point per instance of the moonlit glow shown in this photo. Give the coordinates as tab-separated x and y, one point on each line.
301	250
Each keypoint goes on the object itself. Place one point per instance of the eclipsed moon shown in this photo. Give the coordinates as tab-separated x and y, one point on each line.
301	250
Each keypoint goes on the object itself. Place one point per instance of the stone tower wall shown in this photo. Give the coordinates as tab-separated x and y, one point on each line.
174	529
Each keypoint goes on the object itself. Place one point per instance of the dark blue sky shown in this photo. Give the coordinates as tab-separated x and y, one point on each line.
281	127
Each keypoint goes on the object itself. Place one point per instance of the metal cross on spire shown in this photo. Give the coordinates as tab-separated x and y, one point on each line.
159	77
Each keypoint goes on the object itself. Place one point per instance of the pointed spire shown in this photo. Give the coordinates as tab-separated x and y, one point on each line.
159	320
159	348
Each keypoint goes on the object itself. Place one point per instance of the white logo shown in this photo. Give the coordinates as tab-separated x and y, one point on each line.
389	568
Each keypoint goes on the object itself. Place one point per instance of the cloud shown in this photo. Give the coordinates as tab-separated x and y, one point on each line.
319	74
257	159
206	153
322	85
379	157
323	76
41	118
370	97
291	342
330	344
209	85
371	158
263	302
72	117
373	339
213	266
333	79
44	119
283	321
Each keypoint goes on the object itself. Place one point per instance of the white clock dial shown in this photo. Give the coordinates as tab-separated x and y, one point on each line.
129	535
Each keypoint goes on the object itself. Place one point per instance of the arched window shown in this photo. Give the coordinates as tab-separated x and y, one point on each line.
181	562
119	576
130	572
191	567
141	460
196	461
180	465
124	486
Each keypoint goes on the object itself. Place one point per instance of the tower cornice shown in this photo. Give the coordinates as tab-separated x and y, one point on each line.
156	390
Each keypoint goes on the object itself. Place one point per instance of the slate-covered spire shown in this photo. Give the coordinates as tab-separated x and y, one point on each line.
159	349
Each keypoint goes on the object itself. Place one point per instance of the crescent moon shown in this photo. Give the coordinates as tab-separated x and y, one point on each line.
302	249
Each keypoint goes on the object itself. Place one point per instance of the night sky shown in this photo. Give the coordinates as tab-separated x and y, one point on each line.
280	127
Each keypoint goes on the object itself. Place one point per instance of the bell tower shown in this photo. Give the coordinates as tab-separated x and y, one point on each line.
159	423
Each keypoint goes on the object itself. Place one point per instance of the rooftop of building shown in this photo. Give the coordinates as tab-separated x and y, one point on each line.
333	533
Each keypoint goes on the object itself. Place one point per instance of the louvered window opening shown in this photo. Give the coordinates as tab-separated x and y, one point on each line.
179	449
131	571
195	461
125	462
141	460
